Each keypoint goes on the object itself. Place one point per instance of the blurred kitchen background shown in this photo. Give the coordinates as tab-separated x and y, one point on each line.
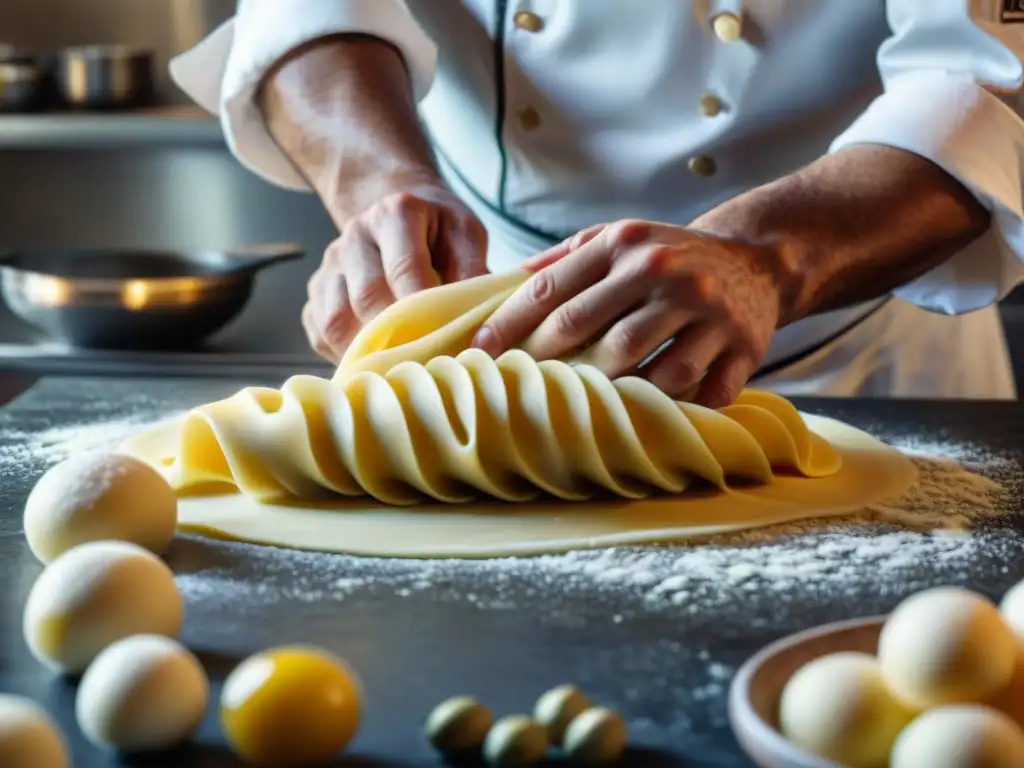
154	178
162	178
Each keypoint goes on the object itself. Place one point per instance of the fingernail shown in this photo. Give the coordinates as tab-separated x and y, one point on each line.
715	400
484	339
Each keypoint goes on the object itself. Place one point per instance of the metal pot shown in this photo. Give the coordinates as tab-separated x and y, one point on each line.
134	299
26	80
22	87
106	77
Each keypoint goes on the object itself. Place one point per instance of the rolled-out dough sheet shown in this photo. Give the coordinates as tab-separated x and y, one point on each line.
870	472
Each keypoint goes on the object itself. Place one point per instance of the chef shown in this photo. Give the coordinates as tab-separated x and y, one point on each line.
816	196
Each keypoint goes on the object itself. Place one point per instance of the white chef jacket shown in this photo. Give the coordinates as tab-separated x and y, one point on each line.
549	116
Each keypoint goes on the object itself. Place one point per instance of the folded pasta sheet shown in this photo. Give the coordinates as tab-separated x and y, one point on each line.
412	415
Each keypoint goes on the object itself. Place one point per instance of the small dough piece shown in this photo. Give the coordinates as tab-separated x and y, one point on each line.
596	737
293	705
837	707
1012	608
95	594
142	693
457	727
99	496
946	645
960	736
515	740
557	708
28	736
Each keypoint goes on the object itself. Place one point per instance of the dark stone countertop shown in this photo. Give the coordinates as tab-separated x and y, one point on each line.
417	632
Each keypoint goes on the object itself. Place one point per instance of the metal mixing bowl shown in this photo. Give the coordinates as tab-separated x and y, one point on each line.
133	299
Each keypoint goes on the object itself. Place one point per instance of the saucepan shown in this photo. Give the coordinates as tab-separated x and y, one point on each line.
134	299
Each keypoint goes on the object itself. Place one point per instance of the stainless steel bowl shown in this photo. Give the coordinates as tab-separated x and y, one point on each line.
106	77
134	299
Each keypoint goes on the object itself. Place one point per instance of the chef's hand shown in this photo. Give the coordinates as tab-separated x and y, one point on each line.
633	285
410	240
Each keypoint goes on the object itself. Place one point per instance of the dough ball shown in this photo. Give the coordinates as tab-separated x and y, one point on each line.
557	708
98	496
28	737
457	727
95	594
945	646
143	693
294	706
515	740
598	736
1012	608
838	707
960	736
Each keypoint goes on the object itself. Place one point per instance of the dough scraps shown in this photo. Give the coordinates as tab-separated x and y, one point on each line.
525	457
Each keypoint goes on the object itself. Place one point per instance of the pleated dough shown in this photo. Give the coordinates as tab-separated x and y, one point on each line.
413	417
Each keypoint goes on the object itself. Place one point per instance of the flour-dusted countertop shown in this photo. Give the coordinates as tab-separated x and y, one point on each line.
656	632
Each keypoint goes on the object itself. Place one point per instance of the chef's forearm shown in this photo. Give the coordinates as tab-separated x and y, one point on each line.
342	109
853	225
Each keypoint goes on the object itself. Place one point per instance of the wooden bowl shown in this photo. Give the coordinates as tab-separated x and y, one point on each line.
755	691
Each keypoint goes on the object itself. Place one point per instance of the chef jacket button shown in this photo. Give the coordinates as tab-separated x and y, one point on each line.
703	166
727	27
710	105
529	22
529	119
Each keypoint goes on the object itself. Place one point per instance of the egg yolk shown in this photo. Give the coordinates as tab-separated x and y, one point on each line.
290	706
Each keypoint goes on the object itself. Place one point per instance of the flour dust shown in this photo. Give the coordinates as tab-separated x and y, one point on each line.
883	544
758	583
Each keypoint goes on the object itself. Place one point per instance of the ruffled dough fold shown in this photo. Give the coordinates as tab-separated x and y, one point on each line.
412	415
468	427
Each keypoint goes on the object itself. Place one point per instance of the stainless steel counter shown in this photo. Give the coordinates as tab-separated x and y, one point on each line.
178	126
52	359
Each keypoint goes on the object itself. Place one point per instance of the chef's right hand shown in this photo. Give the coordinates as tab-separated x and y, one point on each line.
412	239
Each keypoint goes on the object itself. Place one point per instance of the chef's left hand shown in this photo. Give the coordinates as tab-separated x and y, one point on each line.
633	285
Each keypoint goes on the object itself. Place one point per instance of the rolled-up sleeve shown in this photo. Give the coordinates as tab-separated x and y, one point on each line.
942	69
223	72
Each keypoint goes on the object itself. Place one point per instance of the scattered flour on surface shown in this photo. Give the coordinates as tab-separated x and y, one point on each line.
781	573
932	524
884	544
58	443
787	575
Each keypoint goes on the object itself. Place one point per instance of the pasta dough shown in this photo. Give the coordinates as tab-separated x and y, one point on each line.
470	427
412	417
